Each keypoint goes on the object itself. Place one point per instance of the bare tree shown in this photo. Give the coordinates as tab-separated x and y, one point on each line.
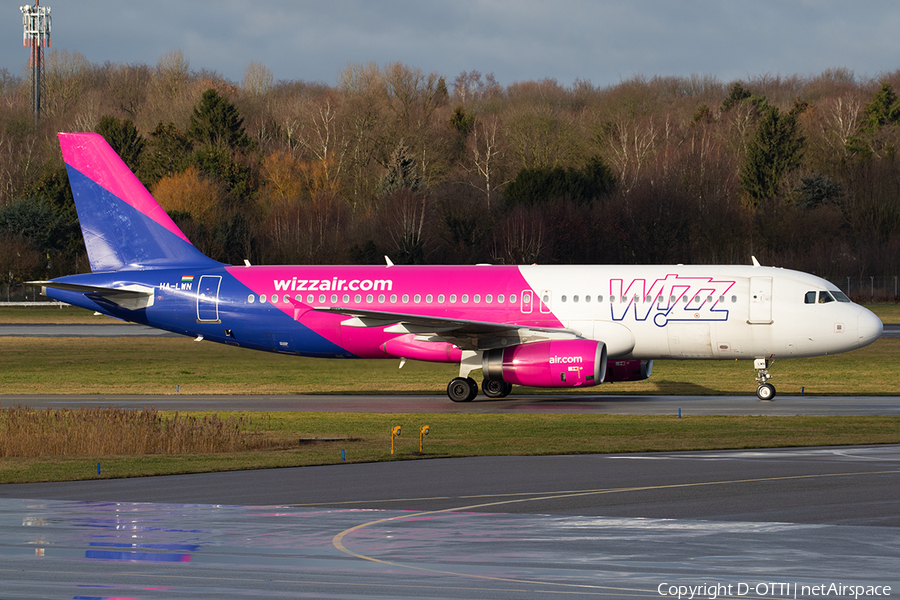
485	149
65	75
323	137
630	145
520	237
540	136
841	121
172	72
257	79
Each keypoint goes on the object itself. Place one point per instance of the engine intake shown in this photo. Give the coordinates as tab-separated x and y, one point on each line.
554	363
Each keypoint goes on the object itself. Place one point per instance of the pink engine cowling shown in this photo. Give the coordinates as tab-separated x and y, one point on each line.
554	363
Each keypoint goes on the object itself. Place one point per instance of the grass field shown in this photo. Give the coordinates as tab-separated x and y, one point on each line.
157	365
366	438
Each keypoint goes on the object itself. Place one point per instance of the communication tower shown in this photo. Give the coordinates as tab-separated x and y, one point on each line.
36	21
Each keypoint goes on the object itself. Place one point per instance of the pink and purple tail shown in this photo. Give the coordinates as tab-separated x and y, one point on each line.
123	226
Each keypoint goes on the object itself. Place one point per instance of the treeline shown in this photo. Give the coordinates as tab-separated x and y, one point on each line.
801	172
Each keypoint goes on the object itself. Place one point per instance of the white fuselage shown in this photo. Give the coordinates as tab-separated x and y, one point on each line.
678	311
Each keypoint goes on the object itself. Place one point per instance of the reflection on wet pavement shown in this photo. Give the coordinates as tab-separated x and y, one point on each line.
66	549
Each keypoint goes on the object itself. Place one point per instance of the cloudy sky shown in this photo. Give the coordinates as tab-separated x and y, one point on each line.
601	41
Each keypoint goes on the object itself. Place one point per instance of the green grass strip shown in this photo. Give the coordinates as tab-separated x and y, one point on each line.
366	438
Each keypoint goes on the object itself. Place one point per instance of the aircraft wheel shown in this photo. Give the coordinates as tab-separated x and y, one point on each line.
496	388
462	389
765	392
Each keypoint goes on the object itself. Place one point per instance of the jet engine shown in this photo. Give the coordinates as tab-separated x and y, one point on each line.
628	370
553	363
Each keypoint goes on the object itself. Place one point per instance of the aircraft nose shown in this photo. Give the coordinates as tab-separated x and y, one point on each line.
869	327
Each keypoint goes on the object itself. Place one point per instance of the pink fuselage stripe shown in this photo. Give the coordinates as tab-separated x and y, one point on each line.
418	291
89	154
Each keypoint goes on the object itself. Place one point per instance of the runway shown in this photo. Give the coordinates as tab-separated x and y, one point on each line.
522	404
611	526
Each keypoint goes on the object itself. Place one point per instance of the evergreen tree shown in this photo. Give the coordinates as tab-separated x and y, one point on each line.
775	149
401	172
124	138
537	185
216	121
884	109
168	153
881	112
736	95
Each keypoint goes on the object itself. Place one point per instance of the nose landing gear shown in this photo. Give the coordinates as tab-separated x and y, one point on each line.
765	391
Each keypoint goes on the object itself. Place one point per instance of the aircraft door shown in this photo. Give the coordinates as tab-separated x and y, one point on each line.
208	298
760	300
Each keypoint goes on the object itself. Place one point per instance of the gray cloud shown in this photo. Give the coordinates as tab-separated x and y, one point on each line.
599	41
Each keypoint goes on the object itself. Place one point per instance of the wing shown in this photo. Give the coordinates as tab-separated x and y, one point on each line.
464	333
131	297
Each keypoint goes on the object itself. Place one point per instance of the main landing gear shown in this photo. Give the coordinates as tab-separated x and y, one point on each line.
765	391
464	389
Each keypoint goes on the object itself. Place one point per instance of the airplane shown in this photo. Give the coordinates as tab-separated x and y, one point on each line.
528	325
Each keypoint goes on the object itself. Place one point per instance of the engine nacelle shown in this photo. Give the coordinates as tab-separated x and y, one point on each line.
554	363
628	370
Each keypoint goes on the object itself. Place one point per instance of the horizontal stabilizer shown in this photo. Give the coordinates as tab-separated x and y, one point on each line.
129	297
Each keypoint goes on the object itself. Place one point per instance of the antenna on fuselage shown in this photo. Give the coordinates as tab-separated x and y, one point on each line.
755	262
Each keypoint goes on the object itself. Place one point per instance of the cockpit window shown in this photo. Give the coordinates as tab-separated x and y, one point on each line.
840	296
825	297
810	298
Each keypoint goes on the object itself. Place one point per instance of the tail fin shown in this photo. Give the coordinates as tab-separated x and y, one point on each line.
123	226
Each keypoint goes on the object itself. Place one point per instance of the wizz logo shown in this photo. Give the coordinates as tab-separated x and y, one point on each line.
672	298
